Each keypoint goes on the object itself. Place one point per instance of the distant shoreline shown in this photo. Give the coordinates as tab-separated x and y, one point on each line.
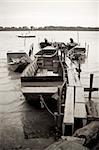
49	28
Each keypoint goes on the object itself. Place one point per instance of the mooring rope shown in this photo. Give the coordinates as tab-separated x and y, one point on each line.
42	99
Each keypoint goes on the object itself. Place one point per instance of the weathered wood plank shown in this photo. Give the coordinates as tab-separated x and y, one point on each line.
71	77
69	107
80	111
80	95
41	84
45	72
39	90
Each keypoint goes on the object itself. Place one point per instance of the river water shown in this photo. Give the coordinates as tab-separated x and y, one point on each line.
21	124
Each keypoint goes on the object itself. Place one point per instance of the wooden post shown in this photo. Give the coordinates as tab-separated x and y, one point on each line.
90	89
91	82
64	54
56	118
79	70
59	108
59	101
63	129
74	95
61	54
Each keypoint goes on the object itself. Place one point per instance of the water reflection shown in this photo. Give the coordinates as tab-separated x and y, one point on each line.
37	122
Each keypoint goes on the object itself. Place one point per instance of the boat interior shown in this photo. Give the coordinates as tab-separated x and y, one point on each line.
14	57
43	72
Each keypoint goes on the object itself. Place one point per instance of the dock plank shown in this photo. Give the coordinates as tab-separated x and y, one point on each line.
69	107
80	111
80	95
71	77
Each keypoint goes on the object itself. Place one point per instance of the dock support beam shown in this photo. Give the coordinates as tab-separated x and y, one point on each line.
79	70
74	95
59	108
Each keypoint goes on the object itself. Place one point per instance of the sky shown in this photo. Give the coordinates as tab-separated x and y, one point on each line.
49	13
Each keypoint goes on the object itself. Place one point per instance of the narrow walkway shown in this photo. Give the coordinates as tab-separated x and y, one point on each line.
75	101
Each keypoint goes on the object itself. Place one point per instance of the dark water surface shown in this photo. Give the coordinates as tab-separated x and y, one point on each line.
21	125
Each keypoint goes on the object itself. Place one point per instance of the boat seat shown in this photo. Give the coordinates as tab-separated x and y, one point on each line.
39	90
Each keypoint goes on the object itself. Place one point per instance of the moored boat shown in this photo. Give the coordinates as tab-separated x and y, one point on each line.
17	61
77	53
43	76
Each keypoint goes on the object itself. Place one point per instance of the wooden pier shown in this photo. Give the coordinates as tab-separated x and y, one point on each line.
74	104
76	108
71	113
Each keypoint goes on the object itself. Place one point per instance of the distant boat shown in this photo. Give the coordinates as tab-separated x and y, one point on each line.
26	36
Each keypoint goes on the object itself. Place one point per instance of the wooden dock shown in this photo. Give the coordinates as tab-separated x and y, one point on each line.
74	107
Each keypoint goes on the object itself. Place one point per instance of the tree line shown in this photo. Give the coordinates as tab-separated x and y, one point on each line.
49	28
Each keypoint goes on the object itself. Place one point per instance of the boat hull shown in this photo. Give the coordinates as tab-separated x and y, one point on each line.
33	87
17	61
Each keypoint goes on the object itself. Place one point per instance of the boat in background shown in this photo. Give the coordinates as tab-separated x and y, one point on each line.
78	54
26	36
17	61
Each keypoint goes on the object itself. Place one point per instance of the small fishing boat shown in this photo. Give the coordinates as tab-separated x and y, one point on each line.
43	76
26	36
77	53
17	61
